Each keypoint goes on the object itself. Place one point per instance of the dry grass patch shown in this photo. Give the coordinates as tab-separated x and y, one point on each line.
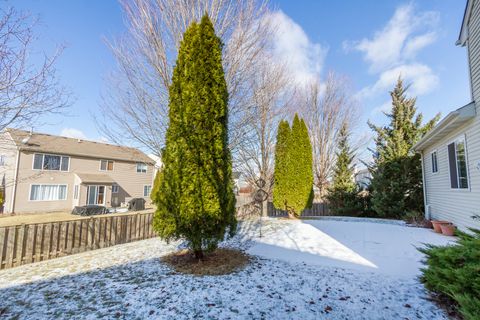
221	261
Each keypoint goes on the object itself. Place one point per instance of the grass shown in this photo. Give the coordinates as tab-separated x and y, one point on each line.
221	261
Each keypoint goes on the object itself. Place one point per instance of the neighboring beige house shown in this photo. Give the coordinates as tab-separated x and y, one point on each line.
451	150
44	173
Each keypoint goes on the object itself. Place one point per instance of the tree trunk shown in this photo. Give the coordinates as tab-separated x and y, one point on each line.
198	254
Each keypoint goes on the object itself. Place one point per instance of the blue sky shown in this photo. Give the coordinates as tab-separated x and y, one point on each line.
369	41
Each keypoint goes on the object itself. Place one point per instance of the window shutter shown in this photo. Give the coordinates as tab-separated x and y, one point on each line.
453	166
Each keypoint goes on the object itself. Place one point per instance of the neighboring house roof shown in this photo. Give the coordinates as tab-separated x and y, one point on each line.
46	143
452	121
94	178
463	36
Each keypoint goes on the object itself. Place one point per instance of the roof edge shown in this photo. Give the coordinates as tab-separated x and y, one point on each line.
463	35
464	113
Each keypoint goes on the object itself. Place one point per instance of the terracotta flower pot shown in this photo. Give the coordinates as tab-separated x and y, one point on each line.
437	225
448	229
428	224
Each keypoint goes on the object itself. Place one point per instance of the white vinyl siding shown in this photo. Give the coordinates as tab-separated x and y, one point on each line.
48	192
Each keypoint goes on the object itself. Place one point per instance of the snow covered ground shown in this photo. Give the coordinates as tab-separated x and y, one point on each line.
303	269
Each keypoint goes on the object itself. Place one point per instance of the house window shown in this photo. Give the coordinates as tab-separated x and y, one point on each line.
115	188
434	162
48	192
147	190
141	167
75	192
106	165
457	159
50	162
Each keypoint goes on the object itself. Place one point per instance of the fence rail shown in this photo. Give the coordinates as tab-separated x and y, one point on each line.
28	243
317	210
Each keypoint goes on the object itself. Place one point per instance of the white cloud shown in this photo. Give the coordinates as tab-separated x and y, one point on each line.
292	46
73	133
392	51
420	76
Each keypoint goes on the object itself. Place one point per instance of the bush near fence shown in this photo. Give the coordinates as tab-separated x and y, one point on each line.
317	210
28	243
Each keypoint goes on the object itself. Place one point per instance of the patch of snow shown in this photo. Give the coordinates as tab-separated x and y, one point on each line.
130	281
362	246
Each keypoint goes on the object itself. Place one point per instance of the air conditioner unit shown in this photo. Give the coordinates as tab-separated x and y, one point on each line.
428	211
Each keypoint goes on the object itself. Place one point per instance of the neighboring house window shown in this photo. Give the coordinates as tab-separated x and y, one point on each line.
141	167
2	160
75	192
114	188
457	158
48	192
106	165
147	190
50	162
434	162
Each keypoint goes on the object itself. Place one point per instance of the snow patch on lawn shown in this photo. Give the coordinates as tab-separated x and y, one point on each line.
130	281
357	245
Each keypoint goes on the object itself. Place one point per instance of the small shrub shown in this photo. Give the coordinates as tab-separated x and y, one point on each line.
453	272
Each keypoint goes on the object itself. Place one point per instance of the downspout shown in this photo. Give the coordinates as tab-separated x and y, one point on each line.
14	189
424	185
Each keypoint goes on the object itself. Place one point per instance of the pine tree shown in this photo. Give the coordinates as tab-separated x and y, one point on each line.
195	201
293	185
396	173
342	194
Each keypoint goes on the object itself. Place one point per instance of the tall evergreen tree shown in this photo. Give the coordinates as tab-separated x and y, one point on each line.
342	194
195	201
281	175
396	173
292	190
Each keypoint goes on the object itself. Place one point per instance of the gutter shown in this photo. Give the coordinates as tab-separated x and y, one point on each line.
15	179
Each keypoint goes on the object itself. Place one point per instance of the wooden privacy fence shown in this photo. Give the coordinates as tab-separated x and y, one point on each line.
317	210
28	243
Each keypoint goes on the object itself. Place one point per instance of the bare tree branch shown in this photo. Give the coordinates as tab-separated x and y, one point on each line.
327	107
136	102
27	92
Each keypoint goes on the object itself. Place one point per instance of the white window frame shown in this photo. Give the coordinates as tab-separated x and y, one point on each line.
436	160
96	194
51	154
47	184
147	185
464	139
144	164
106	167
76	192
115	188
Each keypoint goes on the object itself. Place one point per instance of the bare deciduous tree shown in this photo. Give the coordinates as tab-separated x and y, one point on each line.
271	95
136	102
27	92
327	107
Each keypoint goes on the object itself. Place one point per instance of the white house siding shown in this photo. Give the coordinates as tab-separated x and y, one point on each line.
473	45
455	205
